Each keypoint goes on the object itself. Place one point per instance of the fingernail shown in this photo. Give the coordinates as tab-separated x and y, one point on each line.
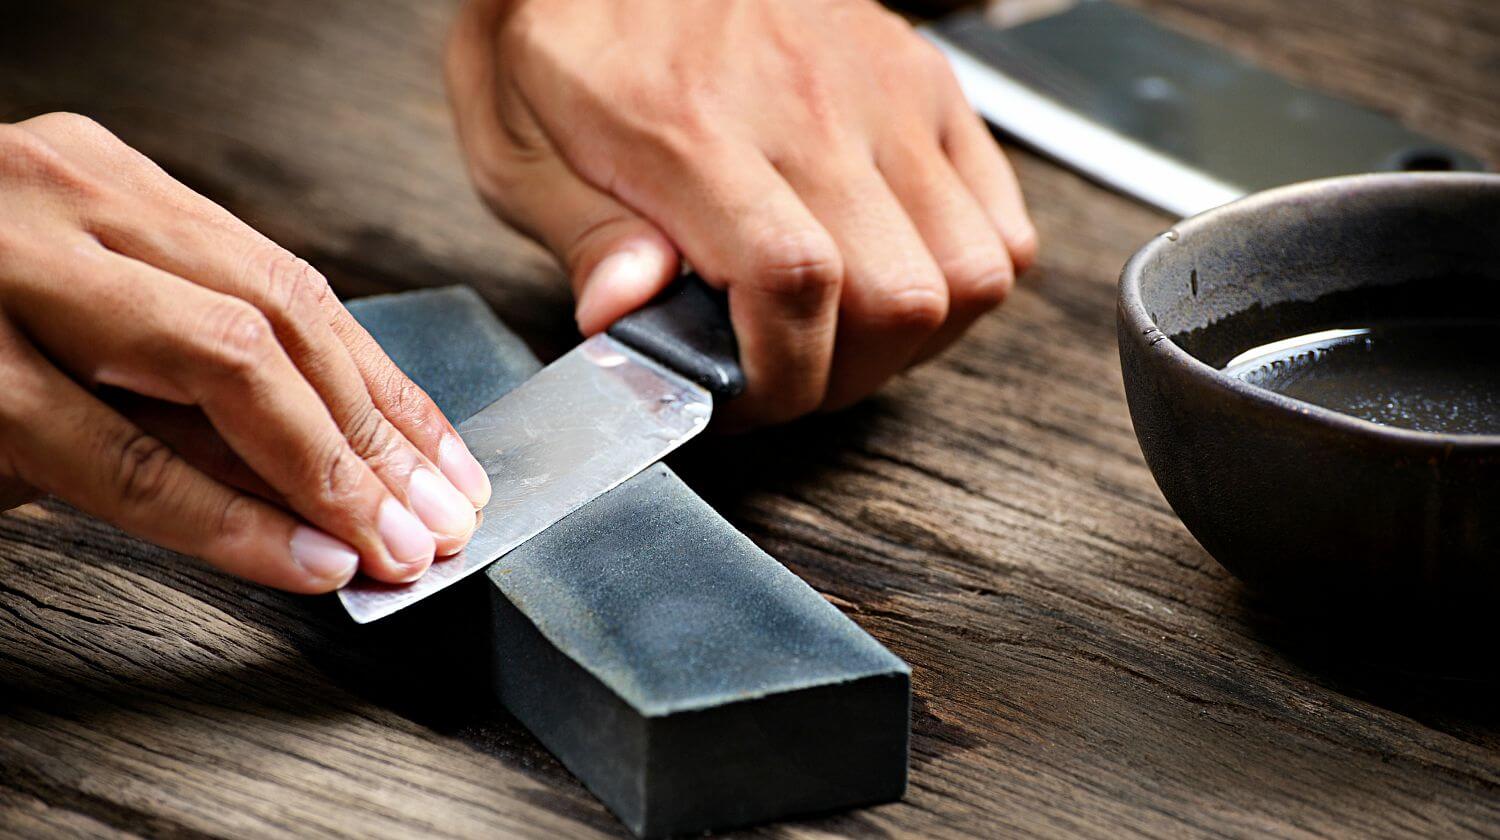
322	556
444	510
406	538
630	274
463	469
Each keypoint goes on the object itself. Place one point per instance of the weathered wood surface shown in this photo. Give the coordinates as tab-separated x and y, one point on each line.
1081	666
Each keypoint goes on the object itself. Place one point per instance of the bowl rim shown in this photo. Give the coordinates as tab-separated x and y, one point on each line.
1142	328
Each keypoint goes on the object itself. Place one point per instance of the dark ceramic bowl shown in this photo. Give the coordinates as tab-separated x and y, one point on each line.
1299	500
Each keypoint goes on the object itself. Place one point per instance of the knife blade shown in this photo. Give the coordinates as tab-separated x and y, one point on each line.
601	413
1158	114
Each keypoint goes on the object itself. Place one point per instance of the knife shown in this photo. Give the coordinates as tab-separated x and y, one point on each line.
601	413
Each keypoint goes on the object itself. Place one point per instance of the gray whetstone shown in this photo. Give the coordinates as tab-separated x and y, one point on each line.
685	676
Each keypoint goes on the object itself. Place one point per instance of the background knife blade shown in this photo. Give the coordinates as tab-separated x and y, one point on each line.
606	410
1165	117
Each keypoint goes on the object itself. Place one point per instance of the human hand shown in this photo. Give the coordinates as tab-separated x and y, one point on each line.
813	157
283	445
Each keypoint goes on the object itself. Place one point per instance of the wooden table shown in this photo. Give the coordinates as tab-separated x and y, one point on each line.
1081	666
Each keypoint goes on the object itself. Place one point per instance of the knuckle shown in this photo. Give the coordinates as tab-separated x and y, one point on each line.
33	159
916	308
294	290
338	474
80	124
21	146
980	278
74	124
796	265
238	517
406	404
239	339
370	435
142	469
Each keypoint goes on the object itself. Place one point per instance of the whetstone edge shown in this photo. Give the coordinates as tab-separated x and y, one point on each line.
687	678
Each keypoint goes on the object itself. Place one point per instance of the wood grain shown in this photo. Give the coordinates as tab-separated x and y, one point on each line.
1081	666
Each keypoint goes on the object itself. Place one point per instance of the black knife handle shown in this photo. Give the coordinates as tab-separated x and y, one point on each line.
687	329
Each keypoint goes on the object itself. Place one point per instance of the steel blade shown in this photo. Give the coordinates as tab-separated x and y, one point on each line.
585	423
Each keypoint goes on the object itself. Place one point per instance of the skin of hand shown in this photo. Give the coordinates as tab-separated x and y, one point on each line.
815	158
172	371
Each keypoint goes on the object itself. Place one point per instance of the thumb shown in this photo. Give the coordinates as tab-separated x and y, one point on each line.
617	267
617	260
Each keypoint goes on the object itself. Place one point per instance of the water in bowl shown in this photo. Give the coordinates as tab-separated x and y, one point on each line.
1432	376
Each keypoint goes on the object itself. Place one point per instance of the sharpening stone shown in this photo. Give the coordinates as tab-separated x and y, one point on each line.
688	679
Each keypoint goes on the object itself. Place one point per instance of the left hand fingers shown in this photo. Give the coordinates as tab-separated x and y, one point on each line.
298	303
182	427
389	420
193	437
